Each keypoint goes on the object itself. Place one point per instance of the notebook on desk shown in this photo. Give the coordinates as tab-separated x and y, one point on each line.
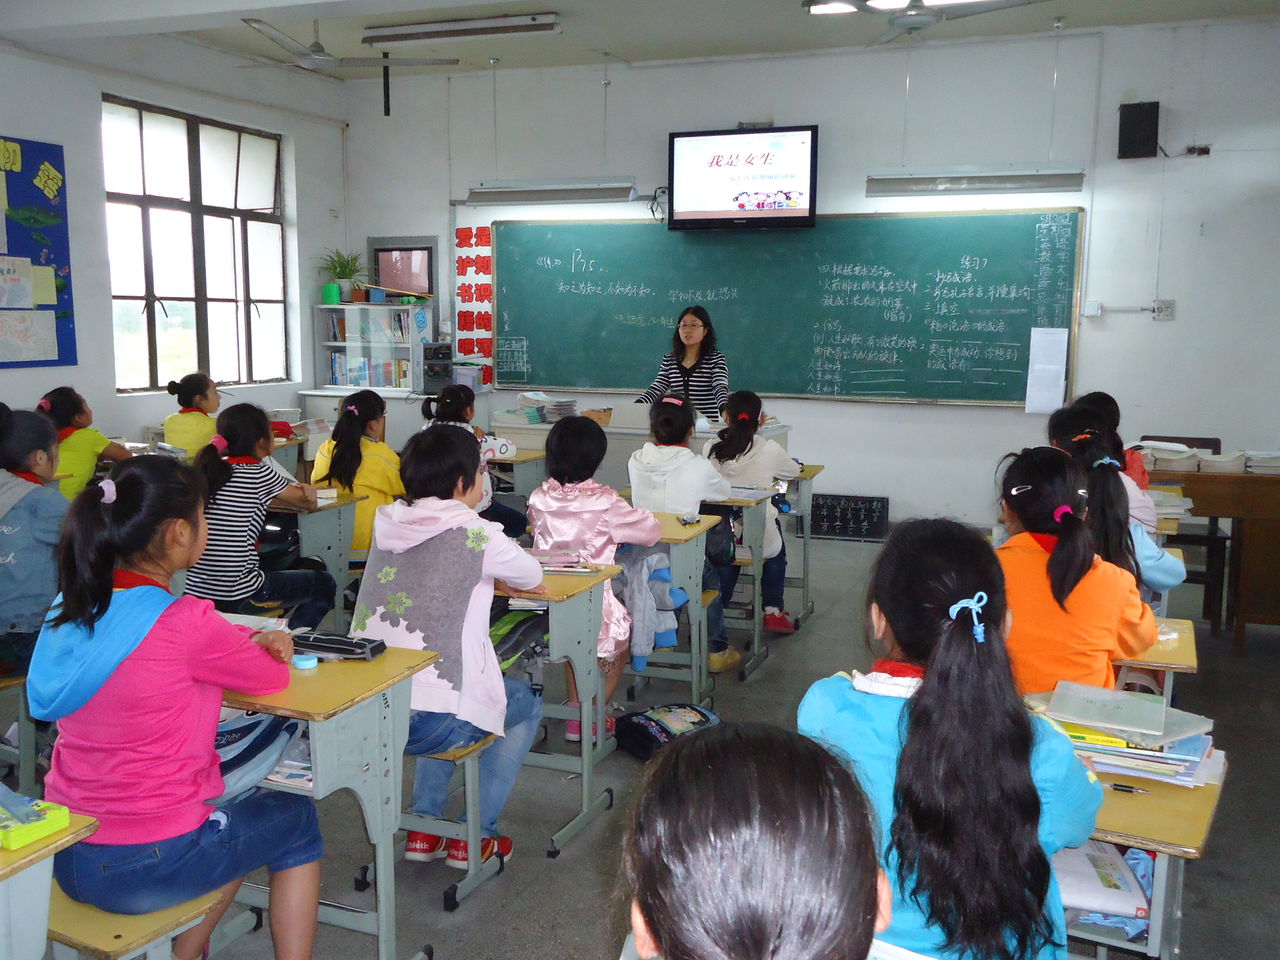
630	415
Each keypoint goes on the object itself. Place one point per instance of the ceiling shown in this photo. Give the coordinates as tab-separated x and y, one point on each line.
593	31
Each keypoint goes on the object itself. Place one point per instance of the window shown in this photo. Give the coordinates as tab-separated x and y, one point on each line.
195	234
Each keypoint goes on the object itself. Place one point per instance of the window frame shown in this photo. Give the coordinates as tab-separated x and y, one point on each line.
197	210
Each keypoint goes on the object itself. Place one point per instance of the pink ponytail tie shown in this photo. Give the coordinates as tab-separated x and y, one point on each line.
218	442
676	400
108	490
351	408
44	405
1061	512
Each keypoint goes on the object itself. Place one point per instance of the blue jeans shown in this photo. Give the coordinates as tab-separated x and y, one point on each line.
773	579
309	592
261	828
514	523
717	638
499	764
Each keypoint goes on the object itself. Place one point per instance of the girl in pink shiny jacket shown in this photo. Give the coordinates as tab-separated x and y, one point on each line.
574	513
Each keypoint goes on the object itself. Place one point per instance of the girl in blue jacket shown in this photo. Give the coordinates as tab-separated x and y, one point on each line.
30	521
972	794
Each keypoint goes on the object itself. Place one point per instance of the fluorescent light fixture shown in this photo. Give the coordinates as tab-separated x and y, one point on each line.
828	6
968	180
612	190
877	6
538	23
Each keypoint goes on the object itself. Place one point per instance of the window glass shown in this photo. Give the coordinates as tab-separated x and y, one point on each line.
176	339
164	156
133	353
172	271
121	149
218	149
266	271
222	258
124	250
225	349
257	184
266	325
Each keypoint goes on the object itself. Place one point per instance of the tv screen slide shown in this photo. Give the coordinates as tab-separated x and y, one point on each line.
743	177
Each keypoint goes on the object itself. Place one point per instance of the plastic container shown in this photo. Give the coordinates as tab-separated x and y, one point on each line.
467	376
330	294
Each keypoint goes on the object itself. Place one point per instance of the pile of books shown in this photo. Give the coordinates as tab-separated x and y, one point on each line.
1170	505
517	418
550	408
1263	461
1233	462
1134	734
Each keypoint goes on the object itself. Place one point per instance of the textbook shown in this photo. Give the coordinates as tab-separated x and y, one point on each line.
1113	709
1095	878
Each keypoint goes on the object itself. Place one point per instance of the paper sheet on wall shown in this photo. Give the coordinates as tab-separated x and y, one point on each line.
1046	369
28	335
15	283
4	205
44	286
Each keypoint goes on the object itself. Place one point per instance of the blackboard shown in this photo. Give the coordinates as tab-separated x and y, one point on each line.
901	307
839	517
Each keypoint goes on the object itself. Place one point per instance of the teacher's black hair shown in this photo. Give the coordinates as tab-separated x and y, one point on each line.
708	344
575	449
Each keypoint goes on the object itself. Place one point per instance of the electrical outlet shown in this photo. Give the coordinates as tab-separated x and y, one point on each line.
1161	309
1198	149
1092	308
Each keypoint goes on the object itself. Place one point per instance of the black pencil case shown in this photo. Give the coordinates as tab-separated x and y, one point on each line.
334	646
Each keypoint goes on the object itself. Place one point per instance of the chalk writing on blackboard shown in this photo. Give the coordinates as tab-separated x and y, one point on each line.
840	517
512	358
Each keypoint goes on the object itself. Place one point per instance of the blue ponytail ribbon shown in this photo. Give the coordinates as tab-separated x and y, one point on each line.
1108	461
974	606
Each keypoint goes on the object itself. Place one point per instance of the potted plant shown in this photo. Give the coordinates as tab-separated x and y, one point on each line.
343	269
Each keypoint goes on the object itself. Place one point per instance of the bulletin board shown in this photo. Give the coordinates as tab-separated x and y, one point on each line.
37	318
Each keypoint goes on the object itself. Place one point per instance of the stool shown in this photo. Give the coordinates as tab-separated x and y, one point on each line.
24	755
79	930
471	831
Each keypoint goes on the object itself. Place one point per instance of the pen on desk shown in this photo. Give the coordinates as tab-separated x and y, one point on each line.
1125	788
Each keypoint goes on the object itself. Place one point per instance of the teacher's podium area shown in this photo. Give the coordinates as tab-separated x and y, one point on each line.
569	907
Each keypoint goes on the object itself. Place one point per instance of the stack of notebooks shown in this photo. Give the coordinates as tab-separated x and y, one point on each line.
1233	462
517	418
1134	734
1170	505
1263	461
551	408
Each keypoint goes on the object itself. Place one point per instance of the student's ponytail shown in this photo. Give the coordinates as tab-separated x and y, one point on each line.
450	404
742	414
966	809
240	428
61	405
354	415
1045	488
1108	516
671	420
22	433
120	518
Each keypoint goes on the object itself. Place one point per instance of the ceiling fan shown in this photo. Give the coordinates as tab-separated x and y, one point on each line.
917	15
319	60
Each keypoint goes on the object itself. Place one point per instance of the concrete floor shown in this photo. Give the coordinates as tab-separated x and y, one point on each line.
570	907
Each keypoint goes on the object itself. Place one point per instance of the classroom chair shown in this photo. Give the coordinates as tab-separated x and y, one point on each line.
23	756
77	930
471	831
1213	540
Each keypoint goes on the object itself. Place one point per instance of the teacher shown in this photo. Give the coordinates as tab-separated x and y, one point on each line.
694	369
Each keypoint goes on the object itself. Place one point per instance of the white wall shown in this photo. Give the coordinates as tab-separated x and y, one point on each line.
59	103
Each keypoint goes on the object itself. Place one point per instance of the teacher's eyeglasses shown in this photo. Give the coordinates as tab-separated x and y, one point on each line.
691	325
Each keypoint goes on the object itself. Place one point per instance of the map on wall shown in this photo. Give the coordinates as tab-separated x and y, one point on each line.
37	319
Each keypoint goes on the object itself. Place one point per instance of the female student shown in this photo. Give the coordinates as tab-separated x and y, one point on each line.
749	842
357	459
193	426
429	586
746	460
1073	423
1104	406
668	477
240	488
79	447
973	795
1073	613
134	676
572	512
694	369
455	406
30	521
1117	538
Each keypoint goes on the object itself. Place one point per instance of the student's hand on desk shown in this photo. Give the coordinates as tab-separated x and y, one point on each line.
503	585
278	643
309	494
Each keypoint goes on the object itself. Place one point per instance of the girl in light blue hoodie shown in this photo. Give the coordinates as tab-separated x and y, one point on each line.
30	521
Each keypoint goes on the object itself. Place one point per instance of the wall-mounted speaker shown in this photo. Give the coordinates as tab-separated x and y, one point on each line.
1139	130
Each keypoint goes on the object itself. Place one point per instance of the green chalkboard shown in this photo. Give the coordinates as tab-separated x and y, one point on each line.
888	307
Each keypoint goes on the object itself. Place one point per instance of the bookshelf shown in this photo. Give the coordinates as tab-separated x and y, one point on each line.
366	345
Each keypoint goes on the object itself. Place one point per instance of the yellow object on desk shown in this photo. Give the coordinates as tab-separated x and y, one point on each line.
14	834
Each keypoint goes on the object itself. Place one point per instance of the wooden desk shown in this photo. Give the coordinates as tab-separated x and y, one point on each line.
1167	657
1171	821
358	713
575	605
1252	502
26	877
528	469
802	511
688	555
23	756
325	532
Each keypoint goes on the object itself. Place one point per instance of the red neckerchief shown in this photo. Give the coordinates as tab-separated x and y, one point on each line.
1047	541
29	477
190	410
124	579
244	459
66	432
896	668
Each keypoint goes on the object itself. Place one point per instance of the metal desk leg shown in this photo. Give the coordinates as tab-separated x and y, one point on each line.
753	522
527	477
575	625
327	534
361	750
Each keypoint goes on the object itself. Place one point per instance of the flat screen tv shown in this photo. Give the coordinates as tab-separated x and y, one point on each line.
743	178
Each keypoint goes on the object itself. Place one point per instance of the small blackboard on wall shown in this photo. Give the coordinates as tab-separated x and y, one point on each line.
839	517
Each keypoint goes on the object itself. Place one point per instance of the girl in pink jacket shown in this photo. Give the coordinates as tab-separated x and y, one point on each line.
574	513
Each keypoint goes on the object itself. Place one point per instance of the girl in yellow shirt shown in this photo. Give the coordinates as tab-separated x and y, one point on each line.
357	460
79	447
193	426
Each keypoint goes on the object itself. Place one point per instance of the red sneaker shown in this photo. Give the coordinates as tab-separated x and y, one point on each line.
457	851
778	623
424	847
